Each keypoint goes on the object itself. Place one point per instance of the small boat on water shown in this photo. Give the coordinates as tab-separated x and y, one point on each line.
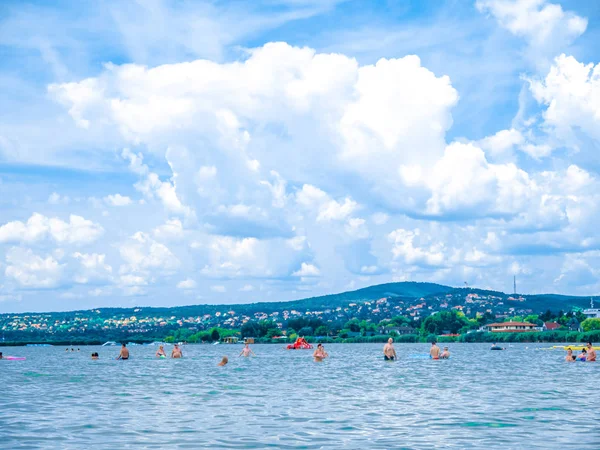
109	344
216	343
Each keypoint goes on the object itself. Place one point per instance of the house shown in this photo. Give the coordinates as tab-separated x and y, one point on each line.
551	326
573	324
403	330
510	327
591	312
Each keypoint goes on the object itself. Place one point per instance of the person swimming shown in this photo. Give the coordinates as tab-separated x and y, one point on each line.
124	354
94	355
320	353
435	351
389	352
445	354
176	353
246	351
591	353
570	356
583	355
1	355
224	361
161	352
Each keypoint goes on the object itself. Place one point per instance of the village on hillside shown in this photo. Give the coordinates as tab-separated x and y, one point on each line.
394	316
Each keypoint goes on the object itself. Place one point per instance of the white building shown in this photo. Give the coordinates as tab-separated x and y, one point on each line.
591	312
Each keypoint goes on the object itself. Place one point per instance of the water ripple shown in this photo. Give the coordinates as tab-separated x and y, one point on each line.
354	400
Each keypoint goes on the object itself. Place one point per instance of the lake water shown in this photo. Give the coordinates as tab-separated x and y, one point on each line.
519	398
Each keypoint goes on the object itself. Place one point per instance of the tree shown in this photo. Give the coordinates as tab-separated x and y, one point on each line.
251	329
322	331
305	331
272	332
590	325
443	322
353	325
547	316
214	335
533	318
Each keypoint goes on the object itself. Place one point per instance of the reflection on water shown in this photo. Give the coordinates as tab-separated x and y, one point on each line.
520	398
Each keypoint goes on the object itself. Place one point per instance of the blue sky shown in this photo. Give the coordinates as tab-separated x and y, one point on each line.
165	153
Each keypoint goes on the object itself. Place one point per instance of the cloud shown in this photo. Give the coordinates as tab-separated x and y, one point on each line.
463	183
546	26
571	92
229	257
370	119
307	270
502	143
218	288
142	253
324	207
408	247
117	200
56	199
357	228
246	288
78	230
93	268
33	271
152	187
171	229
186	284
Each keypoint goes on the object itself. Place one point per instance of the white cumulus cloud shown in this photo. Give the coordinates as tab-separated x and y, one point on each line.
38	227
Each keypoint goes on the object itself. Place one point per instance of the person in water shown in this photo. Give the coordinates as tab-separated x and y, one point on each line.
247	351
583	355
389	352
0	355
445	354
224	361
320	353
591	353
570	356
94	356
176	353
161	352
435	351
124	354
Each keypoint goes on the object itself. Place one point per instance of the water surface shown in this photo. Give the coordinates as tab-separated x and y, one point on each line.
520	398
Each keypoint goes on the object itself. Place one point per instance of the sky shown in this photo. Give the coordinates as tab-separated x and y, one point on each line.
183	152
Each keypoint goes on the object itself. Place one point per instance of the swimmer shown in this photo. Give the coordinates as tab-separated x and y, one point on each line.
320	353
223	361
591	353
445	354
94	356
389	352
435	351
570	356
0	355
583	355
176	353
247	351
124	354
161	352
